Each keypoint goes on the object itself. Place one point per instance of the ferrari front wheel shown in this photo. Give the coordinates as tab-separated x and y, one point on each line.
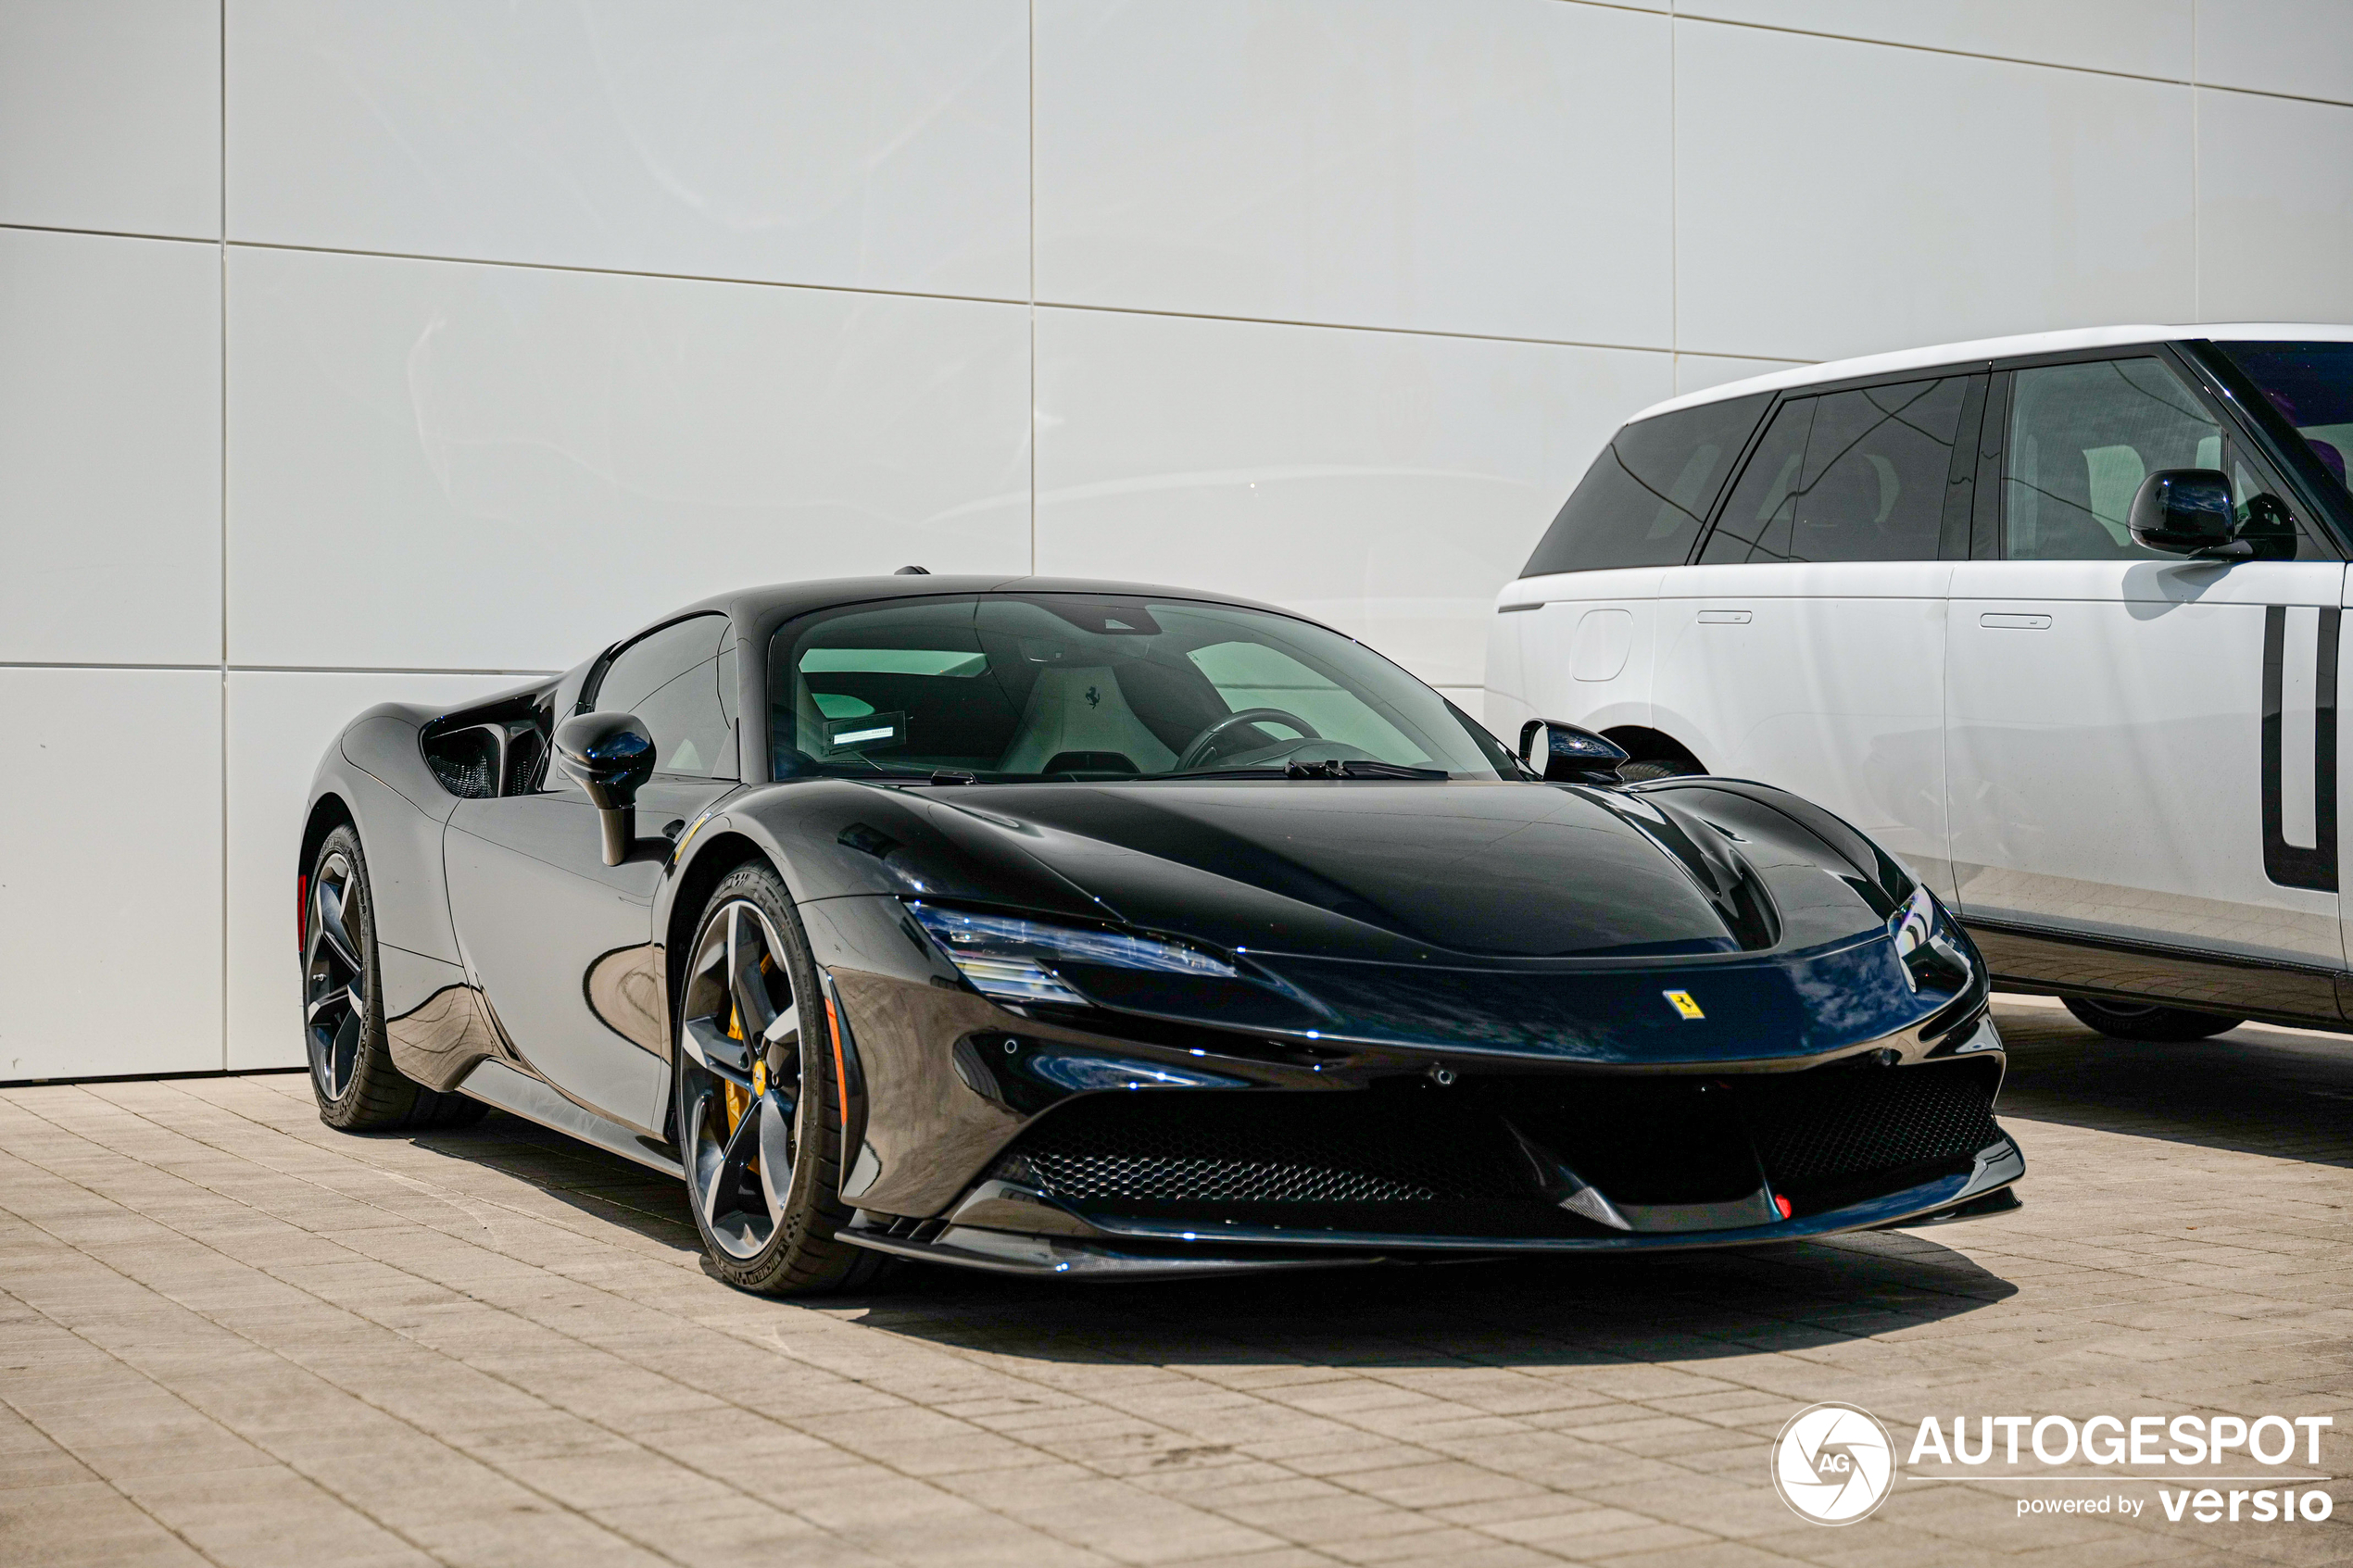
357	1087
755	1101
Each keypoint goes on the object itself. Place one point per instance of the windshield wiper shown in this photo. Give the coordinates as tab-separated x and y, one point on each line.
1339	768
1360	767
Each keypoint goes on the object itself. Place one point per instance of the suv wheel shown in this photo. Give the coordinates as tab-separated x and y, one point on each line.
2147	1021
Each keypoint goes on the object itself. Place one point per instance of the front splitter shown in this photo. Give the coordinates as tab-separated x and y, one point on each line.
1153	1249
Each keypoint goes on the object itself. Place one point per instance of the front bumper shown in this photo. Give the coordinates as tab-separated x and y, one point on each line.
1079	1249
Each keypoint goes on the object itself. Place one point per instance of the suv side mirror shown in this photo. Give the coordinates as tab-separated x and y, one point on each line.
611	756
1568	753
2187	512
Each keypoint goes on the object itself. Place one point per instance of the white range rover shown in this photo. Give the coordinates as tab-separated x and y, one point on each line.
2056	618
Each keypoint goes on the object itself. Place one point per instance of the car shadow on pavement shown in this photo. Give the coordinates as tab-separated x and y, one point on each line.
2256	1090
1558	1312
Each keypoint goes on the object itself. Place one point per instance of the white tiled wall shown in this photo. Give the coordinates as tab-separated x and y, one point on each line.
1381	481
530	321
546	458
109	450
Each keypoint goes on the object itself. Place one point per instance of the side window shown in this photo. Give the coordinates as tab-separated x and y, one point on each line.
2081	438
670	679
1644	498
1755	523
1849	476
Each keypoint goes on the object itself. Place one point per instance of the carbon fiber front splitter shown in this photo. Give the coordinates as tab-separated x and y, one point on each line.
1153	1249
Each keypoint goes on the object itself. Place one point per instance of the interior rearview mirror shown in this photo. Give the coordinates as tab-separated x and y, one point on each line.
1569	753
610	756
2186	512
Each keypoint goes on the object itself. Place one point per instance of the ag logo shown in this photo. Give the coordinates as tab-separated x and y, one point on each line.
1833	1463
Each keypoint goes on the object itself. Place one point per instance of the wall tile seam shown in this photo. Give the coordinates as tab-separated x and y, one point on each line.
220	669
2191	81
1033	305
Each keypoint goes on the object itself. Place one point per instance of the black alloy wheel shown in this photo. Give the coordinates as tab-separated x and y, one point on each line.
343	1025
2147	1020
759	1125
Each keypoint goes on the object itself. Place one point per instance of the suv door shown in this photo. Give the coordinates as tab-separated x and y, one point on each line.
2141	747
1806	647
561	944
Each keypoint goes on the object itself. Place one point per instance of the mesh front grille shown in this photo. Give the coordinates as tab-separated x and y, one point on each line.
1216	1148
1670	1139
1832	1126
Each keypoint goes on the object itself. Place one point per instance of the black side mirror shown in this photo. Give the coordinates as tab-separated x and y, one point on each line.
611	756
1568	754
2187	512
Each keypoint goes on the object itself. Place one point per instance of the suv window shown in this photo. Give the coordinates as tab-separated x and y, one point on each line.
2081	438
1849	476
1644	498
669	678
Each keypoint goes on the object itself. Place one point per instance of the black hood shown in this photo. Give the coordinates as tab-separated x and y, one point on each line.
1376	870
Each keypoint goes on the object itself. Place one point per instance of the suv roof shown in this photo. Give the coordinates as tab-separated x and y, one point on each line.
2002	348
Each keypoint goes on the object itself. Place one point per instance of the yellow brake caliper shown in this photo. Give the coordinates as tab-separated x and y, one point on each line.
738	1101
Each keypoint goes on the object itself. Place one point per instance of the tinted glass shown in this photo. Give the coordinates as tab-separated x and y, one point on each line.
1642	501
1763	507
2081	438
670	679
1063	686
2311	385
1871	484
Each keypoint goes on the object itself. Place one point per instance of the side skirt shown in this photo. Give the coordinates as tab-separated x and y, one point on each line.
2059	963
496	1084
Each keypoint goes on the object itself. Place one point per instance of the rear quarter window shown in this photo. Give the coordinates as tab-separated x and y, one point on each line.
1646	498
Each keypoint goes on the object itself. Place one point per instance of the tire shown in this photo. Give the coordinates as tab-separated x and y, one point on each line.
748	979
343	1018
2147	1021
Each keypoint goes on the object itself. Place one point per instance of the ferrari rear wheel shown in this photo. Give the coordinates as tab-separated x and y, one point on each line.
758	1114
343	1021
2147	1020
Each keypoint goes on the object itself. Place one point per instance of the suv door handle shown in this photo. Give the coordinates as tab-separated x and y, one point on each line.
1724	617
2010	622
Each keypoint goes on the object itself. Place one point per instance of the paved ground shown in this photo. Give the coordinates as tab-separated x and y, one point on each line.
228	1335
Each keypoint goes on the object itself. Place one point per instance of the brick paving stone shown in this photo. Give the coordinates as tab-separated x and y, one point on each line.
230	1335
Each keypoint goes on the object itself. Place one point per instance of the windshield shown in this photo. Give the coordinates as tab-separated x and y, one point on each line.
1035	686
2311	385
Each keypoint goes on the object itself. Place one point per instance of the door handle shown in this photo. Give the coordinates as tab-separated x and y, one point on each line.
2007	622
1724	617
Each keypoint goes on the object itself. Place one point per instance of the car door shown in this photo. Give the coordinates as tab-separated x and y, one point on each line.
561	944
2141	748
1806	647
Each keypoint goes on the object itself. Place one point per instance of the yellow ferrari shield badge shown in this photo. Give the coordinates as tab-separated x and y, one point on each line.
760	1076
1682	1002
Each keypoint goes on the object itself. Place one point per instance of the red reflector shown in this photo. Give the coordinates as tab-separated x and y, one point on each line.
302	909
1782	1204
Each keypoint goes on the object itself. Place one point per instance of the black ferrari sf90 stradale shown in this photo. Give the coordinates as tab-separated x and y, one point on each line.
1093	930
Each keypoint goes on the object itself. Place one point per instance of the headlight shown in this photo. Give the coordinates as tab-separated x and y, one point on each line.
1014	960
1924	944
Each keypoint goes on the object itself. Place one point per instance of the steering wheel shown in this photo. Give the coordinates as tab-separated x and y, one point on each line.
1205	743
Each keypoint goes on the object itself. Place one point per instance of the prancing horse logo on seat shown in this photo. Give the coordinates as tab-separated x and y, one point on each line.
1094	698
